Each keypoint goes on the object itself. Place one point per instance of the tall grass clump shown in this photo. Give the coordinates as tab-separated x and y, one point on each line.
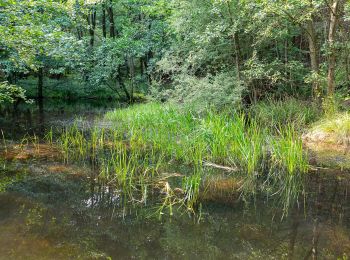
287	151
289	163
289	111
247	145
183	135
144	141
161	126
74	144
129	167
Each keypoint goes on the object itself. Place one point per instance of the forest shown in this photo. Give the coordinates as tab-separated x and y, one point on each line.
174	129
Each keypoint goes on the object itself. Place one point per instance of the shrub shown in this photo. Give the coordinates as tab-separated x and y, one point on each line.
216	91
11	93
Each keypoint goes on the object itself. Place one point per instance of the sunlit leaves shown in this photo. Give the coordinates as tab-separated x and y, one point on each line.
30	28
11	93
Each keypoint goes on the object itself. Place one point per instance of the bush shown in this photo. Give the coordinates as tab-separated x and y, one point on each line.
11	93
215	91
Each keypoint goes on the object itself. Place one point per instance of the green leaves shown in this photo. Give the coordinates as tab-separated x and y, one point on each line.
11	93
29	29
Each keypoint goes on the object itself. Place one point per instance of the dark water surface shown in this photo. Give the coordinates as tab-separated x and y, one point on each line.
37	118
50	210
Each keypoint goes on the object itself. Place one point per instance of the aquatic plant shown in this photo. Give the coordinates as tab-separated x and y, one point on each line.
287	151
288	164
145	140
191	185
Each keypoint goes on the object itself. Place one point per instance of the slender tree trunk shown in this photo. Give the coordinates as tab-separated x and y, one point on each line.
142	69
41	115
346	55
132	76
314	56
111	19
237	55
122	85
40	83
79	33
11	78
77	9
92	25
236	45
104	29
331	42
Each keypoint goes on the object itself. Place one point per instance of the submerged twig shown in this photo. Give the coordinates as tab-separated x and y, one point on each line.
221	167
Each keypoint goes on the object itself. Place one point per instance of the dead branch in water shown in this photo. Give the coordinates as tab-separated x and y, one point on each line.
221	167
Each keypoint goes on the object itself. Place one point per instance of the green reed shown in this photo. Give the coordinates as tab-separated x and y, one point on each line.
288	154
48	137
146	140
288	165
191	187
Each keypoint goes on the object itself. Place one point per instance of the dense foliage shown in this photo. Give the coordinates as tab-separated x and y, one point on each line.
11	93
217	52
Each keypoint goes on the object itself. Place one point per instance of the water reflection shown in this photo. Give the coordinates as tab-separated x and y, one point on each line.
72	215
50	210
40	116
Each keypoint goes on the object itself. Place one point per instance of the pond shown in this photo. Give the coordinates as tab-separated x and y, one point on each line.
53	210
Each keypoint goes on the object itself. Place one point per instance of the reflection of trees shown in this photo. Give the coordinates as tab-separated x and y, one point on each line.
92	212
322	227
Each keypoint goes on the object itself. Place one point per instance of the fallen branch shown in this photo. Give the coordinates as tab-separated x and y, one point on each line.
221	167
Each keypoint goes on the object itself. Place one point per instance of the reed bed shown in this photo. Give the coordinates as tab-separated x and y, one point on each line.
145	143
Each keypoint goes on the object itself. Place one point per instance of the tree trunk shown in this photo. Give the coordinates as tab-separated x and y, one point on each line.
92	25
111	19
11	77
79	33
40	83
122	85
236	45
142	68
237	56
347	68
332	52
104	29
314	56
132	76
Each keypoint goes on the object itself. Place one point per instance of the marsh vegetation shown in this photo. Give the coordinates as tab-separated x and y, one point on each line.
79	189
174	129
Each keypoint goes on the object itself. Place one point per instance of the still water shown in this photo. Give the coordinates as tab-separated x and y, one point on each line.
51	210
